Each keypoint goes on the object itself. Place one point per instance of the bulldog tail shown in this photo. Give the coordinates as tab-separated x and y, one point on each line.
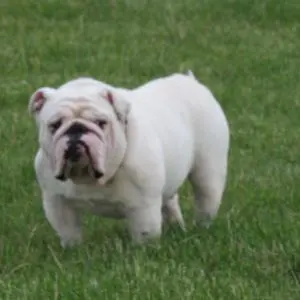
190	74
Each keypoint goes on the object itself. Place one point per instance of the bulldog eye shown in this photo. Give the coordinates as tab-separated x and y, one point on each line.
101	123
55	125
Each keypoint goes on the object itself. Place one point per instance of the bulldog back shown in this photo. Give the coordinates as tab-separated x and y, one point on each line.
187	120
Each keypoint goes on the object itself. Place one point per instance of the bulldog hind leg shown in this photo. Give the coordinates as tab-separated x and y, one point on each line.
208	182
171	212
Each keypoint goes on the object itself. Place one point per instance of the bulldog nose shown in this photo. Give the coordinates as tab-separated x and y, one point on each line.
77	129
73	152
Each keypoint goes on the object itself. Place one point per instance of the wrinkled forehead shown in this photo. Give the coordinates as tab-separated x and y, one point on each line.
76	106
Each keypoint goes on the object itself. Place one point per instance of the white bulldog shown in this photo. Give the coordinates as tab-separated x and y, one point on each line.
125	153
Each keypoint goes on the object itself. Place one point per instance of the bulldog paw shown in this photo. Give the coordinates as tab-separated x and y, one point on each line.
145	224
69	242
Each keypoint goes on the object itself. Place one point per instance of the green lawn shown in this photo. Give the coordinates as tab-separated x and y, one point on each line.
247	52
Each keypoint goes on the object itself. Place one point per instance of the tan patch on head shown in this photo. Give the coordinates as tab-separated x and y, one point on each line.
77	107
81	108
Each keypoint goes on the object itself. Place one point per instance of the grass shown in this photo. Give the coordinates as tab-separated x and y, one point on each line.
247	52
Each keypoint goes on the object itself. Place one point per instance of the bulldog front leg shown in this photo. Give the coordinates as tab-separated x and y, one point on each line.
63	218
145	223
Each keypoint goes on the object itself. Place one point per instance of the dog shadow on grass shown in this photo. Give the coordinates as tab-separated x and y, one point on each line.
294	270
106	242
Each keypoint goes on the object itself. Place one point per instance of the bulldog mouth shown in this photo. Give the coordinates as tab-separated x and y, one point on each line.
72	169
79	172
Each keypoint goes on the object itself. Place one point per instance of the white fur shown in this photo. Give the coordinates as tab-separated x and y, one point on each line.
176	130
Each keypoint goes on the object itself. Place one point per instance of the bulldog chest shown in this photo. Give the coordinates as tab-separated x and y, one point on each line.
101	202
101	208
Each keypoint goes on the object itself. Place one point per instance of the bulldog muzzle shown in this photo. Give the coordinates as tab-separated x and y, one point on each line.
77	154
76	147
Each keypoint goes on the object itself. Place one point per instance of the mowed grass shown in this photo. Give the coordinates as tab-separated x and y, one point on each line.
247	52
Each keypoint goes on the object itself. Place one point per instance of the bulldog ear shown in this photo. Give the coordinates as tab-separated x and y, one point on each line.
120	105
38	99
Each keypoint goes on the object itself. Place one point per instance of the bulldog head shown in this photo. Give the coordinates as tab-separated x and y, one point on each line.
81	129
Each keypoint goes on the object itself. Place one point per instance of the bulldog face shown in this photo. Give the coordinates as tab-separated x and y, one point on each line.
81	129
